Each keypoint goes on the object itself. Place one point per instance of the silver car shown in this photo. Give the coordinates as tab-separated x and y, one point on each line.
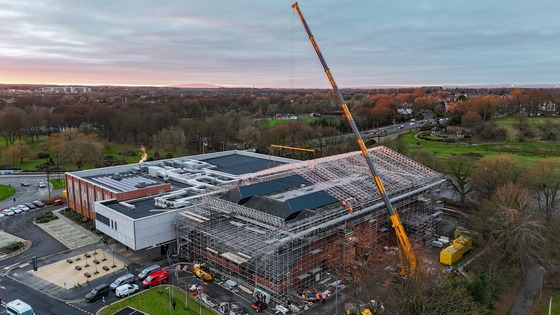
8	212
16	210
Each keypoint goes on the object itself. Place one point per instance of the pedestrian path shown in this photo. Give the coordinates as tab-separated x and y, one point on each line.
68	233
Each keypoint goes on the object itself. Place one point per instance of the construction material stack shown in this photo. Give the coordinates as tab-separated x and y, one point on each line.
456	250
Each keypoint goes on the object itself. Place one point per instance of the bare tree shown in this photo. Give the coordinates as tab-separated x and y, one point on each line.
11	124
170	140
459	168
18	150
493	172
75	147
544	181
507	221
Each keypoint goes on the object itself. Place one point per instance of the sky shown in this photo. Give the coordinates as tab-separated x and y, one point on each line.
262	43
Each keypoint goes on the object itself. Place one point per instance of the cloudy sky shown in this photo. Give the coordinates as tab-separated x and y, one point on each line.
262	43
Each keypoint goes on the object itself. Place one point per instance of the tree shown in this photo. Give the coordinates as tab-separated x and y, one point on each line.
491	173
170	140
515	231
11	124
459	168
18	150
426	158
75	147
544	181
434	293
398	144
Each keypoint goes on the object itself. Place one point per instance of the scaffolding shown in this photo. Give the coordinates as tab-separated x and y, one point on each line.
282	255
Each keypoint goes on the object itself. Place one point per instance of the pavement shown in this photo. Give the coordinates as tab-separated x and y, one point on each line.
530	290
57	274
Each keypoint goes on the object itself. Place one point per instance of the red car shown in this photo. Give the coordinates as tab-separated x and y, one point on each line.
156	278
58	202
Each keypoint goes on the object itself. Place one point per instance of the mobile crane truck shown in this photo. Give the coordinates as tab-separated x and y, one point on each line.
409	260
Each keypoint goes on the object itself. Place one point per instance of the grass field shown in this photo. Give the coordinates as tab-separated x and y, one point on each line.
157	301
58	184
6	191
513	121
526	153
128	153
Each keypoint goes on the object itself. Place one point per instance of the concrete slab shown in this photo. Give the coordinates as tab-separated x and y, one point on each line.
67	234
62	271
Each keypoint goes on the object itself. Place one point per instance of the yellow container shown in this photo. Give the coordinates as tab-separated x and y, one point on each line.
450	255
465	241
460	248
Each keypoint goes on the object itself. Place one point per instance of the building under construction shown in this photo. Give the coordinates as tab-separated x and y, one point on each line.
272	229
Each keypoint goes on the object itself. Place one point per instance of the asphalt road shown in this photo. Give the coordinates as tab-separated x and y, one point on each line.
43	244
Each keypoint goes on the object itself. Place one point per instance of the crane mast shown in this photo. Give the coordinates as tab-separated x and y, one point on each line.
406	247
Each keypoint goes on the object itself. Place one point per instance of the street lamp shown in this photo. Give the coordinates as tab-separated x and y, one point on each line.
336	284
113	252
48	183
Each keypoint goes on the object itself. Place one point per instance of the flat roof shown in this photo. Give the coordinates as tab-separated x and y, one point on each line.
124	182
238	164
142	208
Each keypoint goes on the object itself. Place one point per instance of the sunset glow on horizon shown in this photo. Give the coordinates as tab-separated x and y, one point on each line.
259	44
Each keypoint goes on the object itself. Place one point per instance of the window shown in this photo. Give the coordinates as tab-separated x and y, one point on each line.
103	219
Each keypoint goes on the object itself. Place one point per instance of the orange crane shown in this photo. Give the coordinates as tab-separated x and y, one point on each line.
409	264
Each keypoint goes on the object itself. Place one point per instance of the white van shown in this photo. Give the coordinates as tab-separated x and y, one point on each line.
18	307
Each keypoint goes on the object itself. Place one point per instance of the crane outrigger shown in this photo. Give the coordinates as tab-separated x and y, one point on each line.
409	264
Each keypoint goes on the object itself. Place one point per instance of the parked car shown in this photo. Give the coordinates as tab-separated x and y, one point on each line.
97	293
156	278
147	271
126	279
25	184
126	289
58	202
23	208
30	205
38	203
2	214
18	307
16	210
8	212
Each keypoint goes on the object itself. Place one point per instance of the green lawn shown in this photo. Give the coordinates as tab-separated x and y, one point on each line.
527	153
6	191
58	184
513	121
128	153
152	301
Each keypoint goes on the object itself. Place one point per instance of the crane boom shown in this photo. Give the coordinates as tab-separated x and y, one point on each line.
410	263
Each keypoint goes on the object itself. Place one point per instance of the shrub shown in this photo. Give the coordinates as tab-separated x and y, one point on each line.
45	217
12	247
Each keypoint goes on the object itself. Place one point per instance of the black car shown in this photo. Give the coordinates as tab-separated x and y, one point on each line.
98	292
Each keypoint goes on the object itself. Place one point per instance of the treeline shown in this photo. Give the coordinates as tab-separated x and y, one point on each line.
177	123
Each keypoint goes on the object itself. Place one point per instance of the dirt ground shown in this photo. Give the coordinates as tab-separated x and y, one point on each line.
63	271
